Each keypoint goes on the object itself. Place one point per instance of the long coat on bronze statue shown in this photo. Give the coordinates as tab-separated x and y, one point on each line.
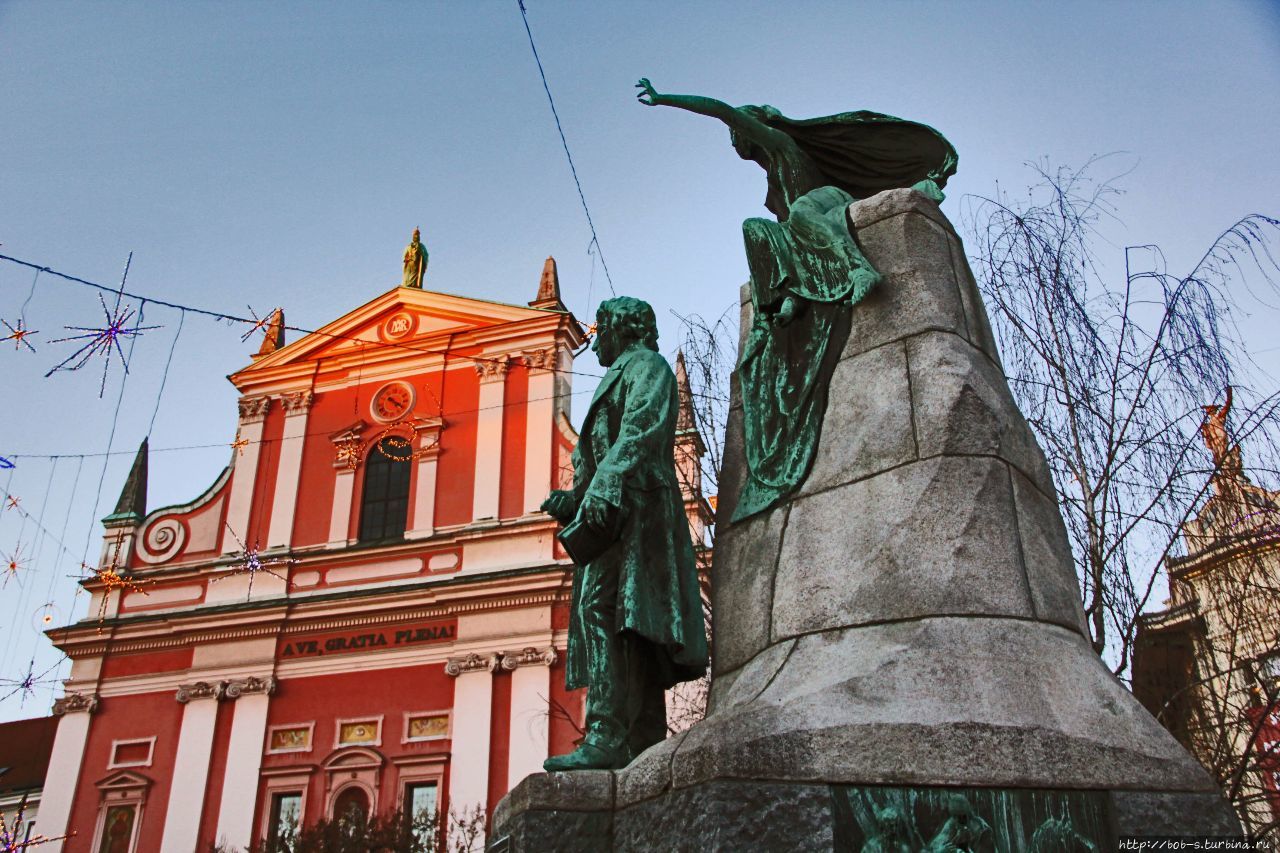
645	582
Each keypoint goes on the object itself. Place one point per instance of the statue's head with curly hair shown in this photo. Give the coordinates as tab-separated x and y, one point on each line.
620	322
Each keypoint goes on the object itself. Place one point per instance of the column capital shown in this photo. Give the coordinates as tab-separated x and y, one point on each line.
238	687
472	663
529	656
253	410
73	702
297	402
200	690
540	359
493	369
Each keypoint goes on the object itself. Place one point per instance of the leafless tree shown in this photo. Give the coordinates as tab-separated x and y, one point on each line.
706	355
1112	378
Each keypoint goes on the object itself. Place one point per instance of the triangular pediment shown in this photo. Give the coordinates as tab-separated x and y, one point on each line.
404	316
122	779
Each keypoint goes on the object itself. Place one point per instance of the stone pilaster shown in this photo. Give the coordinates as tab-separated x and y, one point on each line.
424	488
191	765
244	462
472	714
492	371
296	406
348	453
539	427
61	779
528	741
244	758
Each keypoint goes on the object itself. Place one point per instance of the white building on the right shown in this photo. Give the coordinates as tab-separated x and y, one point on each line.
1208	666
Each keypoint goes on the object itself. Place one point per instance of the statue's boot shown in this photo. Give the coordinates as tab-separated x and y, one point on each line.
594	753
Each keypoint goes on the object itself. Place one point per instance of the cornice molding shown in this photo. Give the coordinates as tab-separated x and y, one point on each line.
547	590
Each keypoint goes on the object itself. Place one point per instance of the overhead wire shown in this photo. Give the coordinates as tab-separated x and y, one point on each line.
524	16
233	318
38	541
164	377
115	419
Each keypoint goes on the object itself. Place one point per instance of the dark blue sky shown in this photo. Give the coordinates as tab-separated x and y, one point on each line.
280	154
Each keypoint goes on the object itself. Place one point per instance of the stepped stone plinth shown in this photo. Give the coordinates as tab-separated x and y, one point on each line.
899	648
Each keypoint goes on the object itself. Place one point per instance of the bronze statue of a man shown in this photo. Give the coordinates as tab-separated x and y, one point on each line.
636	625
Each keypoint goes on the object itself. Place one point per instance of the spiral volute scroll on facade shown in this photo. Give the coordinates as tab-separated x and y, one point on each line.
162	540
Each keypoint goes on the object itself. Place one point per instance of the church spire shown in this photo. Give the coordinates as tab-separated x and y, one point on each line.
132	505
549	288
273	334
684	415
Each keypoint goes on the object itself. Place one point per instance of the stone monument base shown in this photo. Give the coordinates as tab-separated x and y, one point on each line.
617	812
901	659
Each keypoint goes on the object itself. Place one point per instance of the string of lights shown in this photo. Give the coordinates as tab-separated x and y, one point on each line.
524	16
251	321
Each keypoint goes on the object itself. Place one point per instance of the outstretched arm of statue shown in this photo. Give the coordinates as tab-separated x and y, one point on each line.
739	121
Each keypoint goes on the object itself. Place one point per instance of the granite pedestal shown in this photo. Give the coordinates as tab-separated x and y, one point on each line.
900	648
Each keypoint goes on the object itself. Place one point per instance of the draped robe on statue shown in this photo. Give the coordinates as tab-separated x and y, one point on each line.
816	168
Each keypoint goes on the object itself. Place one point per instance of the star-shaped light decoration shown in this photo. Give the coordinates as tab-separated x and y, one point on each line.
12	502
13	835
45	616
112	578
249	562
259	322
101	341
350	451
5	463
18	335
27	684
239	444
14	562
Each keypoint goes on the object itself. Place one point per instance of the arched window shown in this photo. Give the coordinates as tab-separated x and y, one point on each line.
352	807
384	506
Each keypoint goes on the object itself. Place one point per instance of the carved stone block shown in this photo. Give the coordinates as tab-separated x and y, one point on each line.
933	537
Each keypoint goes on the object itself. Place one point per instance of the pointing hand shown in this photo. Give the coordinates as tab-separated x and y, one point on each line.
647	92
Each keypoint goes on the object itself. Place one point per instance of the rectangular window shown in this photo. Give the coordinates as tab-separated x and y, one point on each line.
420	812
286	814
117	830
1269	666
131	753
